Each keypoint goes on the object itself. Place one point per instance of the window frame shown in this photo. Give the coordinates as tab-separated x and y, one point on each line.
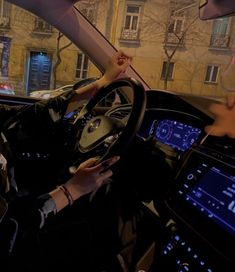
228	26
80	70
129	34
210	74
220	39
132	15
171	70
173	21
5	9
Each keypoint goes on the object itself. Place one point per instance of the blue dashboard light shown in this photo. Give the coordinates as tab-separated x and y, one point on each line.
176	134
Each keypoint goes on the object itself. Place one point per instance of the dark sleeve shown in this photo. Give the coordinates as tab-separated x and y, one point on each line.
46	208
7	112
23	216
53	110
40	115
37	122
31	212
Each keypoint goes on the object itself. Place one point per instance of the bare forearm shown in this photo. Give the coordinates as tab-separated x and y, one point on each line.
86	92
64	195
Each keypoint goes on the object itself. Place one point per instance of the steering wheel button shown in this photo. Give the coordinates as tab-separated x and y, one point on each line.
190	177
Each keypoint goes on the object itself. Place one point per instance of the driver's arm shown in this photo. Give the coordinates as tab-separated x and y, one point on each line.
31	212
87	178
115	67
231	101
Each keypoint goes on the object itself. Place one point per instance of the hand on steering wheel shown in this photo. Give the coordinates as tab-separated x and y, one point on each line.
102	127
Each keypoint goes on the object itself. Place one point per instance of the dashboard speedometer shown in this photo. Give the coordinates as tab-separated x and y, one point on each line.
175	134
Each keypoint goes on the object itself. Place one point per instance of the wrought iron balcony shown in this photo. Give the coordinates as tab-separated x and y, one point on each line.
220	41
4	23
173	39
130	35
41	28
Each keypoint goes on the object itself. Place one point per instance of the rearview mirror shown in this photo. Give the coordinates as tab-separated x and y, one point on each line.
212	9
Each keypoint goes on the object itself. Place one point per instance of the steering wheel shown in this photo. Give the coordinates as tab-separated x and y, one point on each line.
104	132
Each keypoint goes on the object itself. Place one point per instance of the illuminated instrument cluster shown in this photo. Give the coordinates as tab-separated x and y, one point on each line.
176	134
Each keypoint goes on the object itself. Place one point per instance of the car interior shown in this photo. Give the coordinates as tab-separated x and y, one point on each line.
179	176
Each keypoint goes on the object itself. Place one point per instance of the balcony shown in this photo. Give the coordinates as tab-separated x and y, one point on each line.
130	36
219	41
42	29
4	23
174	40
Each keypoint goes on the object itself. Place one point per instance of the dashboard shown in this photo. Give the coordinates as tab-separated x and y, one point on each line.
201	197
173	122
177	130
178	135
177	127
202	203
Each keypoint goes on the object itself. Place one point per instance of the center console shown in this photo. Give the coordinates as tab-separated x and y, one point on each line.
202	205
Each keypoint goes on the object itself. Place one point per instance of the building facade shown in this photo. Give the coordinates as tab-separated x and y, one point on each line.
171	47
34	55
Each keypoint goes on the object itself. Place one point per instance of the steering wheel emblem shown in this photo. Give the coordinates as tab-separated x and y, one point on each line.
94	125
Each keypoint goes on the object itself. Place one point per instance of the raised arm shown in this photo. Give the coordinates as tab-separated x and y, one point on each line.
116	66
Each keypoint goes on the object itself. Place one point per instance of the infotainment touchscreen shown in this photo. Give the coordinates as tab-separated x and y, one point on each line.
214	196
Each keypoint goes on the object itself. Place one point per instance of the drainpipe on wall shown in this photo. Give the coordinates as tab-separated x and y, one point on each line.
114	22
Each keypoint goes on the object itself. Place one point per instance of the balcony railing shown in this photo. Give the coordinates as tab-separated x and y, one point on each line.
42	28
130	35
173	39
220	41
4	22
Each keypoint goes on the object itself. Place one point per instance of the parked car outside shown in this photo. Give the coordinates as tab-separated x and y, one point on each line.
45	94
6	88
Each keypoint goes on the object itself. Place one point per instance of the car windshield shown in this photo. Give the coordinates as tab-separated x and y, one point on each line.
172	48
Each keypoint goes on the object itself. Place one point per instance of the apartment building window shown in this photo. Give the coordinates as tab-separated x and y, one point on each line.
132	18
175	30
5	43
176	25
1	57
220	33
5	11
82	66
130	29
167	70
212	74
